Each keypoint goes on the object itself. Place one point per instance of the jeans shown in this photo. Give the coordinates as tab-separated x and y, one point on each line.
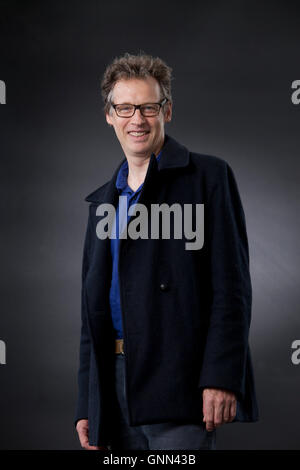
162	436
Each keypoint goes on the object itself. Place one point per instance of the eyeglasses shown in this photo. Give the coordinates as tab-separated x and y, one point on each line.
146	109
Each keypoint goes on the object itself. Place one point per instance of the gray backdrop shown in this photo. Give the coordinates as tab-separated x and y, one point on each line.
233	65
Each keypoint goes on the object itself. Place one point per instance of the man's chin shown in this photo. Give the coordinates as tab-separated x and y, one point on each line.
140	147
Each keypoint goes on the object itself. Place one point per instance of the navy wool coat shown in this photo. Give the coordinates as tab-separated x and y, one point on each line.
186	313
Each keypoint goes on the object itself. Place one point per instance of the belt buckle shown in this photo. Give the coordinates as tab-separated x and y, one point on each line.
120	348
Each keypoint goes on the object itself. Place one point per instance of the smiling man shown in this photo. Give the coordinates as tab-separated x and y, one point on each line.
164	353
140	135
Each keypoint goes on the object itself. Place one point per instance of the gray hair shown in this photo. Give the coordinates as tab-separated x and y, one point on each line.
135	66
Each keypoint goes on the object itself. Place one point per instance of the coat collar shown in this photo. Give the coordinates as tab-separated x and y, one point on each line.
174	155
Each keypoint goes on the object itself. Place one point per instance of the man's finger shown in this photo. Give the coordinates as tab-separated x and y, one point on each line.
232	411
83	433
85	443
226	412
218	412
208	412
83	437
210	425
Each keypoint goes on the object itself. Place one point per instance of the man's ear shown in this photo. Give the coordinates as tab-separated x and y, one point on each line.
108	119
168	112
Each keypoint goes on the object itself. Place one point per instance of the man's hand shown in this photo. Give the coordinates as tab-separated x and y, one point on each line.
82	427
219	406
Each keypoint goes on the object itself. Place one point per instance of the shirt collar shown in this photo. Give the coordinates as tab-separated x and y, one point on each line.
121	181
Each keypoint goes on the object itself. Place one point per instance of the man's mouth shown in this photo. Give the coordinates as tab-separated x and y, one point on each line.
138	133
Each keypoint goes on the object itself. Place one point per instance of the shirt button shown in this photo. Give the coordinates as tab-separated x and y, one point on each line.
163	287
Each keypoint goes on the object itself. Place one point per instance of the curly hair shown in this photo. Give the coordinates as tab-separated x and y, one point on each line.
135	66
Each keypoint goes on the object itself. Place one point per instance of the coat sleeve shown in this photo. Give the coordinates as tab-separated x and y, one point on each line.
85	343
225	352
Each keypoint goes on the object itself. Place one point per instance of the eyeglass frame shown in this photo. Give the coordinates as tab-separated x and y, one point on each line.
138	106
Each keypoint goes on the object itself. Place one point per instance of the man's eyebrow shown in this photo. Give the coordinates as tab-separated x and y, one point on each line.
145	102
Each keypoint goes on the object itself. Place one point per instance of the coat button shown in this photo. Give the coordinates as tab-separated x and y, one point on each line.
163	287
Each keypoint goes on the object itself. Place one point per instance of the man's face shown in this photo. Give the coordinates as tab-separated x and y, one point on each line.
139	91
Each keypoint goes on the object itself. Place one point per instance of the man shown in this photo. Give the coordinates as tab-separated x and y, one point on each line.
164	353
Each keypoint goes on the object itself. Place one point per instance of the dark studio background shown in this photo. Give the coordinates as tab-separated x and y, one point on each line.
233	64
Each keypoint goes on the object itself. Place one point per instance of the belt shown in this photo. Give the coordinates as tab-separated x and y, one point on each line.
119	348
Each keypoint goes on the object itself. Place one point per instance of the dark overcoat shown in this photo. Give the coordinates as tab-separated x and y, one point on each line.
186	313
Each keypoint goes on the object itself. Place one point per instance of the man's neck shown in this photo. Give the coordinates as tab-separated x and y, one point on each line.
137	169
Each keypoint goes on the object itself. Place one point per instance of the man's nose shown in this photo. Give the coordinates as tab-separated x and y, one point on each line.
138	117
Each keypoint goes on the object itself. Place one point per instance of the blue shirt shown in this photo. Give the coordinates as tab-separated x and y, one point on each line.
122	220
